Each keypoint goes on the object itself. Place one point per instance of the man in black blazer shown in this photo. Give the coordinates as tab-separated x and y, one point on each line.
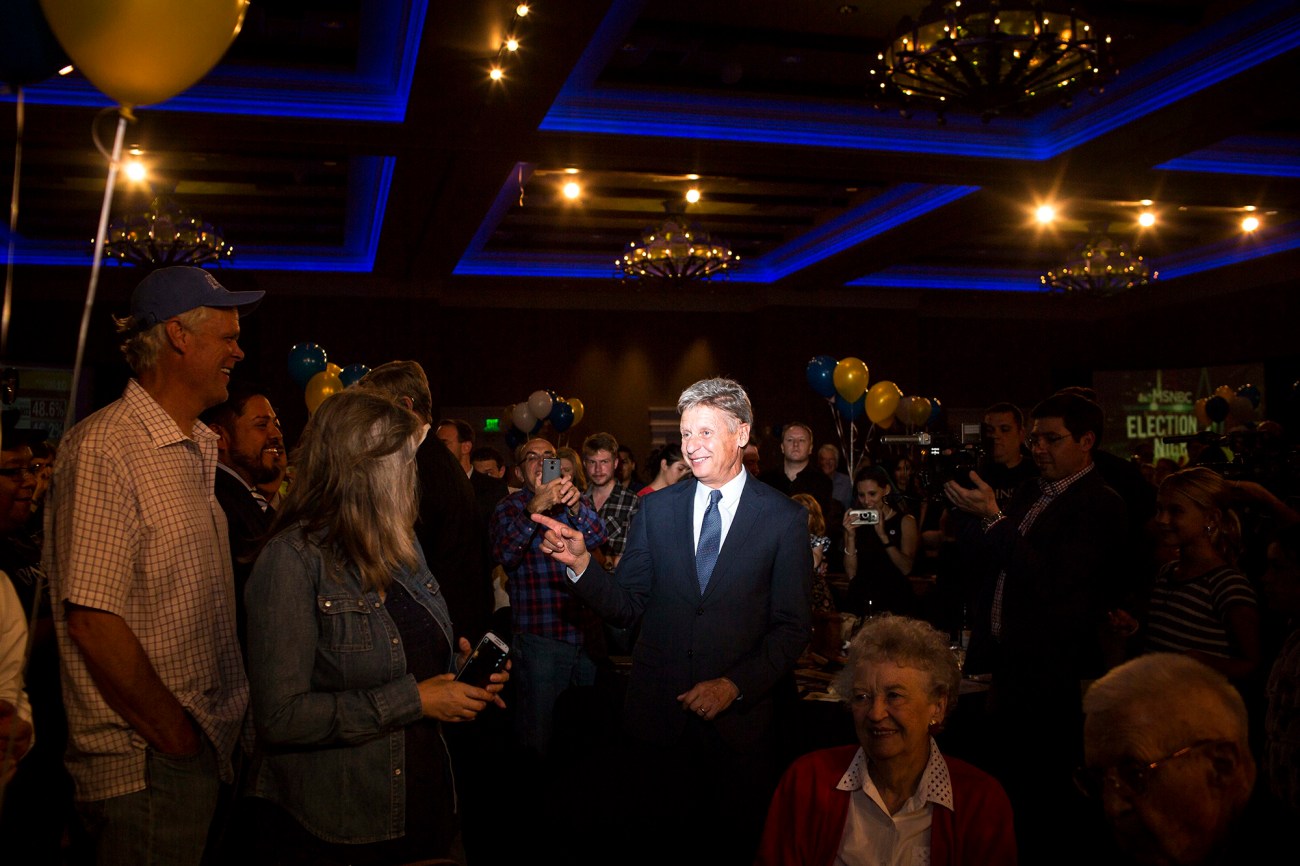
716	641
250	444
1041	618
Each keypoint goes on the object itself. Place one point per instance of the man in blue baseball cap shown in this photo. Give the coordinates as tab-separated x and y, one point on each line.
140	578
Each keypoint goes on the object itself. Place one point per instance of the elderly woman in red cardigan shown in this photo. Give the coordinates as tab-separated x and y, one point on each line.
894	799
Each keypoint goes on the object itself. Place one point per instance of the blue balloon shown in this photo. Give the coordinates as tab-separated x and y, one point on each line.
305	361
561	416
936	409
1251	393
28	50
851	411
821	375
352	374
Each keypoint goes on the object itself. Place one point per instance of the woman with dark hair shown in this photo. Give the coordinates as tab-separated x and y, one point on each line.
350	653
879	547
669	467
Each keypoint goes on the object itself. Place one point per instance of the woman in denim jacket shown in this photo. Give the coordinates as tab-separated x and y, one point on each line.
350	648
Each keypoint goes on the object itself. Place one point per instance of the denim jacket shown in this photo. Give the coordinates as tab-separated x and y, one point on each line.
330	692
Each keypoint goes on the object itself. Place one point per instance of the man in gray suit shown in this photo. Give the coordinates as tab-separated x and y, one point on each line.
719	573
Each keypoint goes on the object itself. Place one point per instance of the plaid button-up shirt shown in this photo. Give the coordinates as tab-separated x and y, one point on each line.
541	602
617	514
133	528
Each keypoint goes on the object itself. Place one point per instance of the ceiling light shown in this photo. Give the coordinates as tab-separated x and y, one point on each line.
165	235
572	190
1100	267
570	170
1249	224
67	70
496	74
1045	213
1146	219
692	177
522	10
512	44
674	252
1146	202
692	195
135	171
988	59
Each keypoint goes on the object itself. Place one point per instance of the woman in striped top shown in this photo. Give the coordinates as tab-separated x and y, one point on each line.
1201	604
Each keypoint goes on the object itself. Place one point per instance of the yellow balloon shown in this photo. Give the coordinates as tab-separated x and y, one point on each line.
919	411
1225	392
333	369
323	385
578	409
882	400
140	52
850	378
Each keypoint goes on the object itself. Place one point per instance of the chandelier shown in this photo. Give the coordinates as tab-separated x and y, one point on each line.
1100	267
674	251
165	234
990	58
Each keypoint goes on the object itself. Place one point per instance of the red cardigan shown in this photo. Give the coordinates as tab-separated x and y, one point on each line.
806	819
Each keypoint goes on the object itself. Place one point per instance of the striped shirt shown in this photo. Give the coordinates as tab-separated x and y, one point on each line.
133	528
1192	614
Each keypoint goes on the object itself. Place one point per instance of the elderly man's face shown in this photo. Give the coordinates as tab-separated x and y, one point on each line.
827	460
1178	815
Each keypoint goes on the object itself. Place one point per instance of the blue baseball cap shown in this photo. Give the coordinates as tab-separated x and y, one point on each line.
168	292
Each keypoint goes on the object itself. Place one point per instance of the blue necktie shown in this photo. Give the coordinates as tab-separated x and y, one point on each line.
706	555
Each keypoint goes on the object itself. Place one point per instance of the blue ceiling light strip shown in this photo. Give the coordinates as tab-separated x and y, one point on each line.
371	180
1226	48
898	206
1244	40
377	92
1234	251
959	279
1262	156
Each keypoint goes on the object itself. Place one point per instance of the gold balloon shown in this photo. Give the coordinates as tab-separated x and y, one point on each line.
140	52
850	378
578	409
333	369
882	401
919	411
323	385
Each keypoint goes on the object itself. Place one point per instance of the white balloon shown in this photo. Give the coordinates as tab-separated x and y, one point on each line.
540	404
523	417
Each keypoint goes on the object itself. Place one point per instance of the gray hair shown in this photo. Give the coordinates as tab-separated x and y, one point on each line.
725	395
143	348
907	642
1167	681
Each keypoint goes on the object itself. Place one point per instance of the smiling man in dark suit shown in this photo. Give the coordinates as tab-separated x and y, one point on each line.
719	573
1040	618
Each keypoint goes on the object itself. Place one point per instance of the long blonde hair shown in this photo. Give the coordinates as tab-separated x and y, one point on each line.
355	481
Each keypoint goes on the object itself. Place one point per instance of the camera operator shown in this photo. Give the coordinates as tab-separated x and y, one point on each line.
1005	465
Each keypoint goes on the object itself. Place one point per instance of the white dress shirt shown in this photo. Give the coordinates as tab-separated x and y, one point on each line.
726	508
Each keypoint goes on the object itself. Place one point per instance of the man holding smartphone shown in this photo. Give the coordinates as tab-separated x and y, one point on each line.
550	623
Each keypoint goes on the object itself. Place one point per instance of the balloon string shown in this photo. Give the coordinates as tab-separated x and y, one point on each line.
113	163
13	226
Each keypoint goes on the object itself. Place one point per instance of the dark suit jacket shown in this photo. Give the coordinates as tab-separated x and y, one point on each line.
488	491
454	538
750	625
246	523
1058	578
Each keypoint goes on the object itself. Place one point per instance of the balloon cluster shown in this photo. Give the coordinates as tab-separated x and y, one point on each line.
527	418
311	369
1228	402
845	384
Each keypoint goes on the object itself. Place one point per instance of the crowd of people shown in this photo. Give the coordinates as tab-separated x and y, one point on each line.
214	649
